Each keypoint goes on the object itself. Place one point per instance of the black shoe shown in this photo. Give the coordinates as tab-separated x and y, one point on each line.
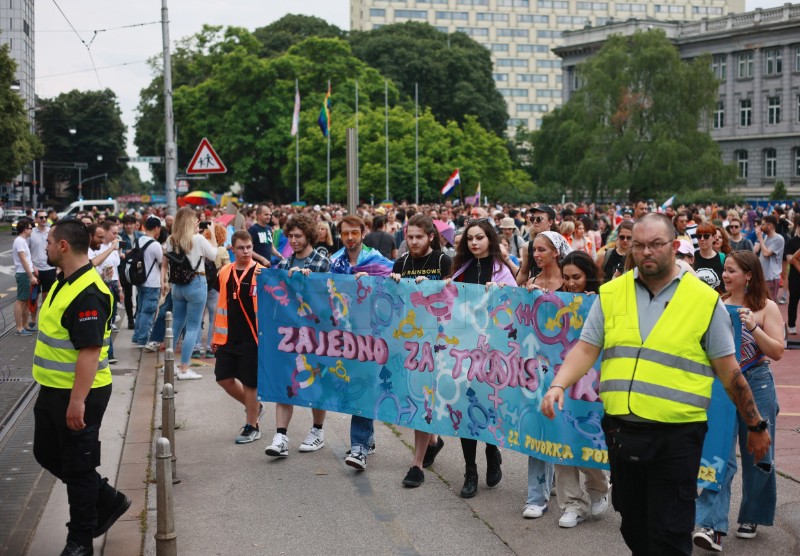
414	478
108	517
470	487
493	471
75	549
431	452
131	324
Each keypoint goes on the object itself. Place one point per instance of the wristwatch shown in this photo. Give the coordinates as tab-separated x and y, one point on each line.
760	426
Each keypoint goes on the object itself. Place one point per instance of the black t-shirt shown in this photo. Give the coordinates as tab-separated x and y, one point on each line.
381	241
238	327
615	262
262	240
433	266
324	249
479	272
791	247
710	270
86	318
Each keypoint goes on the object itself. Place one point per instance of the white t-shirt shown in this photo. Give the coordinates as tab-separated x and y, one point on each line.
153	253
21	246
201	247
108	268
38	244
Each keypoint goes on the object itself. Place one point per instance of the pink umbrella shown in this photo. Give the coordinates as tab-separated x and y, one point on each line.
448	233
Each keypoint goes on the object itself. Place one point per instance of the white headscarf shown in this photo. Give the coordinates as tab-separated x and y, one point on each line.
559	243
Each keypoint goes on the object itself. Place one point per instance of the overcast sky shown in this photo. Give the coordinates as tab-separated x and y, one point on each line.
63	61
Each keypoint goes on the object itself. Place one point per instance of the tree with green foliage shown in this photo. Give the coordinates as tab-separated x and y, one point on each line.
292	29
18	146
637	128
453	71
779	193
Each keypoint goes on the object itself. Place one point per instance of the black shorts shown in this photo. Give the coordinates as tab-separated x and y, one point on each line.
46	279
238	360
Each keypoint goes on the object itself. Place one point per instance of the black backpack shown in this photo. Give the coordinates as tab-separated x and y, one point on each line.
211	275
135	271
180	268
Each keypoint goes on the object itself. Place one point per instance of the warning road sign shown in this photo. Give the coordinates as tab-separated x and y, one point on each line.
206	160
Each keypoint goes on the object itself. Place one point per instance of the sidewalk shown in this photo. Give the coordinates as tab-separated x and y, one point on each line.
233	499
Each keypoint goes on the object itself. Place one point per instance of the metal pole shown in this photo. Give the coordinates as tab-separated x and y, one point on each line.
416	142
168	424
352	170
168	332
329	153
169	366
170	147
34	201
386	113
357	158
80	183
41	172
297	147
166	538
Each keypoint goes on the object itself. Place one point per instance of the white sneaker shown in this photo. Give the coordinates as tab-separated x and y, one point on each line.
600	505
532	511
189	375
792	330
570	519
279	447
151	346
314	441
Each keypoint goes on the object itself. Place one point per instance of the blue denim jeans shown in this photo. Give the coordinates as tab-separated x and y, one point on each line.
147	305
188	303
759	489
361	433
540	481
210	311
159	330
114	289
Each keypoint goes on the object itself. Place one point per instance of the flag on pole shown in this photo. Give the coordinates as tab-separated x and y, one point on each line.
668	203
452	182
296	116
476	200
324	120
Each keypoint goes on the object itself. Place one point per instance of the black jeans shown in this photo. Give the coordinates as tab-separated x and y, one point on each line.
127	289
74	456
654	472
794	297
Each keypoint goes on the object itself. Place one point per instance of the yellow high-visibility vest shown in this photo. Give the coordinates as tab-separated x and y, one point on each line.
55	356
668	377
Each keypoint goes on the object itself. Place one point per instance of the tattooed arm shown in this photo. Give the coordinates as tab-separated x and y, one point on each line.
727	369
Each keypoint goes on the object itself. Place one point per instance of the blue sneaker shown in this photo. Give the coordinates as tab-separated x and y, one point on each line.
23	332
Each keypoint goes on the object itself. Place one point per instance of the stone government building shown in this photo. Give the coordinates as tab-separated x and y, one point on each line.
756	57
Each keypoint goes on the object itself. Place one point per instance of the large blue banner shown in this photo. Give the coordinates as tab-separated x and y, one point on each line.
451	359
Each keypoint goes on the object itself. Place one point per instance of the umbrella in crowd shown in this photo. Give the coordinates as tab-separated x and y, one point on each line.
197	198
448	233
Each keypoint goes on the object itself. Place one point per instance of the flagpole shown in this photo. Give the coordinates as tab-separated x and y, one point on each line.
357	194
416	141
329	154
297	147
386	113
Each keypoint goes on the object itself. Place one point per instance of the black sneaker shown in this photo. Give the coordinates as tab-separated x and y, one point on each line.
746	531
431	452
131	324
708	539
357	460
75	549
370	452
117	510
414	478
494	473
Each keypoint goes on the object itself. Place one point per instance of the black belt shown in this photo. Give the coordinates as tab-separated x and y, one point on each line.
647	425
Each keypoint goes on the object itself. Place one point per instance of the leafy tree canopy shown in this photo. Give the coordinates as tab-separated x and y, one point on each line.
637	128
291	29
454	72
18	146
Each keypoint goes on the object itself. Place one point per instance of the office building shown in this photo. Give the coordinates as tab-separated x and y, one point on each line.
522	33
756	57
16	30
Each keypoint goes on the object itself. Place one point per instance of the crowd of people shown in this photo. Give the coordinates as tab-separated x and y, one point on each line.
203	261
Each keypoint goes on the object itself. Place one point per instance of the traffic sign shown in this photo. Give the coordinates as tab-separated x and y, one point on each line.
206	160
183	186
150	159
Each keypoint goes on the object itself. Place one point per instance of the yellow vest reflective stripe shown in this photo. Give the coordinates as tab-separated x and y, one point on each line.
55	356
668	377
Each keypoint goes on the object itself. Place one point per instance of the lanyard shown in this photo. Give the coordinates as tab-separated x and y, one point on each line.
238	279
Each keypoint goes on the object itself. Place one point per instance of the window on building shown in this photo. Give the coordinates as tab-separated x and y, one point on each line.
488	16
719	65
773	110
511	63
598	6
797	58
516	122
531	107
548	63
706	10
745	112
377	12
745	63
719	115
625	7
500	77
513	92
741	164
473	2
774	61
497	47
548	93
461	16
505	32
411	14
474	31
512	3
798	108
531	78
548	34
797	162
432	2
572	20
557	4
442	29
532	48
668	9
532	18
770	163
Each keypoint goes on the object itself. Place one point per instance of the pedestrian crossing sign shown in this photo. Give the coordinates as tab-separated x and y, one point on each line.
206	160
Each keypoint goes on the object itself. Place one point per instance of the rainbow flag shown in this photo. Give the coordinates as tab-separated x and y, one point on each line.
369	260
452	182
324	119
476	200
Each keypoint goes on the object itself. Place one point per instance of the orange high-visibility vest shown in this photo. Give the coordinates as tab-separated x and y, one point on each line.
221	316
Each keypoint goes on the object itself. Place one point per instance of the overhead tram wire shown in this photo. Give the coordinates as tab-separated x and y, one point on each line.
99	30
88	46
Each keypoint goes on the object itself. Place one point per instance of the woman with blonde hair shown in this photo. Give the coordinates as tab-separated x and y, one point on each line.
222	258
324	244
189	288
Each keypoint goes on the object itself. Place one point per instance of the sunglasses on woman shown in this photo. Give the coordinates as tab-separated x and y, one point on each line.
705	236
